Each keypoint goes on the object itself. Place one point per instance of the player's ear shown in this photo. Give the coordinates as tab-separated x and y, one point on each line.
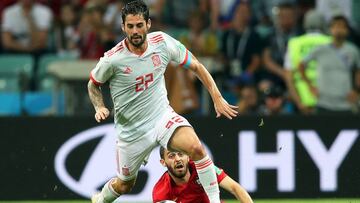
162	161
123	27
148	24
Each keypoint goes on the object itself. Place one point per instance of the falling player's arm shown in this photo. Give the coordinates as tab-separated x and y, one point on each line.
221	106
235	188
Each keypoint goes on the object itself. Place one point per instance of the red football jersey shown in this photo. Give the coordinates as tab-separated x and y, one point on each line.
166	189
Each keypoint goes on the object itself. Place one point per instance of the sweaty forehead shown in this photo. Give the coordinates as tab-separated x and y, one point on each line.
134	19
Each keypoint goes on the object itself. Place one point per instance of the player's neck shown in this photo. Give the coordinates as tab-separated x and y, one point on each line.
338	43
181	181
136	50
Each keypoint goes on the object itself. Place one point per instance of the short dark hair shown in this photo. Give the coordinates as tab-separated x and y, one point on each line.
339	18
162	152
286	5
137	7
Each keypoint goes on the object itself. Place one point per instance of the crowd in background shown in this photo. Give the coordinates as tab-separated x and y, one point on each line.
253	48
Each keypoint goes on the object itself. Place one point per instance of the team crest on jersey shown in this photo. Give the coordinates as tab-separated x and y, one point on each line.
125	171
156	60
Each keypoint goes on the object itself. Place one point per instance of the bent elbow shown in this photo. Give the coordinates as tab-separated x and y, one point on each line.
90	84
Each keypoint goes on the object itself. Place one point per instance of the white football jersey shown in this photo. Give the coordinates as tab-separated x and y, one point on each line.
137	83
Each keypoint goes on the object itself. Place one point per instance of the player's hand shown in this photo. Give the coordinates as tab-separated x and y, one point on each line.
101	114
223	108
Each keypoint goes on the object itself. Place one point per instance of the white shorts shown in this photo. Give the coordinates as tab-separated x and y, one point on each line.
130	155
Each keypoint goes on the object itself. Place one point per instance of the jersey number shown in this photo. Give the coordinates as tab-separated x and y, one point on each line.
142	82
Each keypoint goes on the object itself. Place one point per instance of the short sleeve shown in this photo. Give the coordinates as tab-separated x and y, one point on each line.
102	71
220	174
178	53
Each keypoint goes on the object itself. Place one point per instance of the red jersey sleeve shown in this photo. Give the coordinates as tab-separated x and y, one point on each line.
161	189
220	174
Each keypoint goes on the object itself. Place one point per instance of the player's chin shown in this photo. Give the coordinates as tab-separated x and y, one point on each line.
179	171
180	174
137	41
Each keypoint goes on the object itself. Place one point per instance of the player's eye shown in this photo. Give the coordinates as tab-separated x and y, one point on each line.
140	25
171	156
130	26
180	154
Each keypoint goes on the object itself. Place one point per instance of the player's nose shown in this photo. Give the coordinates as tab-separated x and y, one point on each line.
135	30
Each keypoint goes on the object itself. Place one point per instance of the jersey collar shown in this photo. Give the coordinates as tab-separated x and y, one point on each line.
127	48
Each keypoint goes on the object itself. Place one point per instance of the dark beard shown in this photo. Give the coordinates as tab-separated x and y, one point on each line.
172	172
137	45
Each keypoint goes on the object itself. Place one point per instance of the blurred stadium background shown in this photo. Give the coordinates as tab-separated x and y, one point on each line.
282	148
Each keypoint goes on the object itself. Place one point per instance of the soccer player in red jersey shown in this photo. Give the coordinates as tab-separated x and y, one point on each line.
181	182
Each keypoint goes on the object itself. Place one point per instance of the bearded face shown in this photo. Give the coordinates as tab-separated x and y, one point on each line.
177	163
136	28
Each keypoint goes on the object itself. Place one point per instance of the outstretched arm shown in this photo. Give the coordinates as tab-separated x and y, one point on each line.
221	106
235	188
97	100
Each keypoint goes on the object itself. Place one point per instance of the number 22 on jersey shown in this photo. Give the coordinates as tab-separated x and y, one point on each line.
142	82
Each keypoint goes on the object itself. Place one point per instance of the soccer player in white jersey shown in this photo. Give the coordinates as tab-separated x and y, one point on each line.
143	118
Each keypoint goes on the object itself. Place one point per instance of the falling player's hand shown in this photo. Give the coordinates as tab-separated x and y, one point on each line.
223	108
101	114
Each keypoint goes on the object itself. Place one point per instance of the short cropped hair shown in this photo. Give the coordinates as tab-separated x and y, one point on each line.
137	7
339	18
286	5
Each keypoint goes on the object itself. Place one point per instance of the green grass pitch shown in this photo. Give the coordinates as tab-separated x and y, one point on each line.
227	201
